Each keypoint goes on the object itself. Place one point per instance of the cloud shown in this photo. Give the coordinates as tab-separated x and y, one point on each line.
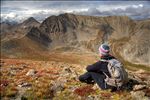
134	11
20	10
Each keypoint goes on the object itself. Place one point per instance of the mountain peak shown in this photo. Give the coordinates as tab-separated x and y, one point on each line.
66	14
30	19
30	22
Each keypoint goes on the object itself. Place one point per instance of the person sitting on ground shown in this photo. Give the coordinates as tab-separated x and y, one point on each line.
108	72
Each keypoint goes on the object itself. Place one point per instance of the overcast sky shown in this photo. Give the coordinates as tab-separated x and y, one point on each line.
21	10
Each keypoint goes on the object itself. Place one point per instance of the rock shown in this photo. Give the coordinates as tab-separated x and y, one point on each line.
12	73
23	66
15	67
36	81
147	92
57	87
31	72
139	87
68	70
140	71
74	77
25	85
138	95
133	76
1	63
4	82
72	88
90	97
95	87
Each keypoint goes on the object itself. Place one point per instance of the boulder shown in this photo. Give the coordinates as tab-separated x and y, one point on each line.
57	87
31	72
139	87
138	95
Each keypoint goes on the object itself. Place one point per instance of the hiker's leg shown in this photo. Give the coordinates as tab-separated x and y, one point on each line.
86	78
99	79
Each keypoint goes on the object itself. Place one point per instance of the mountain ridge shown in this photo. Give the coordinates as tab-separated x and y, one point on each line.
86	33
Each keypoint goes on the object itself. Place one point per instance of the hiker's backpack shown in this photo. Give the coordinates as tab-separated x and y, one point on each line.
118	74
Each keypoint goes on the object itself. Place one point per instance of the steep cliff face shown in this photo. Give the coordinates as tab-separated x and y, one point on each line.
137	50
68	29
54	28
88	32
36	35
128	37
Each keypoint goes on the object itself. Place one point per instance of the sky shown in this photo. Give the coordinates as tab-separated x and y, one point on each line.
21	10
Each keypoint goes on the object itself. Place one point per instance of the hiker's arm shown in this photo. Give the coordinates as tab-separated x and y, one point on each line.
93	68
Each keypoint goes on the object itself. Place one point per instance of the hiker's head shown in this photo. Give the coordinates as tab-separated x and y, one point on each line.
104	50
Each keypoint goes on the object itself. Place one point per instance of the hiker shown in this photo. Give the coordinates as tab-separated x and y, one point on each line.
108	72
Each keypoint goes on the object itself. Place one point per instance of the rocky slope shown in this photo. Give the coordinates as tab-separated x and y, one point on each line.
86	33
61	47
53	80
137	49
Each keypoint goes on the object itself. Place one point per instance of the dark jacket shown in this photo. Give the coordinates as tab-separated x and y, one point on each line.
100	66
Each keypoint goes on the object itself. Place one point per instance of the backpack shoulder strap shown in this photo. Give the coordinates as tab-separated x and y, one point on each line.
107	66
